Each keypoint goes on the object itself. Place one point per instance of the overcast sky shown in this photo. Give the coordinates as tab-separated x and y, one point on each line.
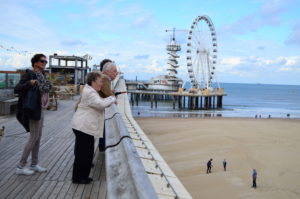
258	40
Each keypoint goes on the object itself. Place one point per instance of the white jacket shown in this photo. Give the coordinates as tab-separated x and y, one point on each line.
89	117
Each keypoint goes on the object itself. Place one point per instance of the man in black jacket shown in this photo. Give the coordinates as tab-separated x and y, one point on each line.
209	165
33	90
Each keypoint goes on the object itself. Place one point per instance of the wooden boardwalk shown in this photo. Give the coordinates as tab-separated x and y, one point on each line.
56	154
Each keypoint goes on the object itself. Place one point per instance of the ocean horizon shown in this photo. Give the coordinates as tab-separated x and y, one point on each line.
242	100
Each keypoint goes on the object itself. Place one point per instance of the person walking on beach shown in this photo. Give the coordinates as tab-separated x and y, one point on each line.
224	164
33	90
109	69
254	176
209	165
87	124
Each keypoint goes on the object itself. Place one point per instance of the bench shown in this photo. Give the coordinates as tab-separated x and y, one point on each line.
53	104
8	106
65	92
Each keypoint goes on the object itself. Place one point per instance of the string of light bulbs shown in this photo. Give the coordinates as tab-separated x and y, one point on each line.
26	52
13	49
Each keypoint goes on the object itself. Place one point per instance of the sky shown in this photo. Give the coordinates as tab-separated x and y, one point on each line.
258	40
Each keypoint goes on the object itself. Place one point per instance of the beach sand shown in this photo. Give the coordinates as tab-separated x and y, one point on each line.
271	146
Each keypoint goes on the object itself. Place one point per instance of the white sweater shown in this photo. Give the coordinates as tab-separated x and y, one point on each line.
89	117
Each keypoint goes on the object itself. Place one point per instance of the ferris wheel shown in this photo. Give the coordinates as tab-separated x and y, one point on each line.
202	52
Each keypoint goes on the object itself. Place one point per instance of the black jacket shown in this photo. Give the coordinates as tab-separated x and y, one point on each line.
22	89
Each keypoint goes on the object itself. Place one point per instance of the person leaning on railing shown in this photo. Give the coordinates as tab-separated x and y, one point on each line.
109	69
87	124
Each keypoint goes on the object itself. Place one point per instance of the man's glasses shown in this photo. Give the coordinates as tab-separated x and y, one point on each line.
43	61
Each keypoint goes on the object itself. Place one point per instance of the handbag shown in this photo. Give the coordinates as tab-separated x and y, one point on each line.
32	105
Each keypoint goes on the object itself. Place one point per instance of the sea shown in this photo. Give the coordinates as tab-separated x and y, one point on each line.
242	100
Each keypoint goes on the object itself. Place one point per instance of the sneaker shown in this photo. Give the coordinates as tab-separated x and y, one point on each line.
24	171
38	168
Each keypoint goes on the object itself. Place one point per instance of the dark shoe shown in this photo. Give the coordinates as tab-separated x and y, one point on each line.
85	181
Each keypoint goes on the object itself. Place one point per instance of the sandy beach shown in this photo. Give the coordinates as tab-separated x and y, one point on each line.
271	146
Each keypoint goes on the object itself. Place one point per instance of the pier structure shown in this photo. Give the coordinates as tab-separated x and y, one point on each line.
201	100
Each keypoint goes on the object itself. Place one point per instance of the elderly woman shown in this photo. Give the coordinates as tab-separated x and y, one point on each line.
87	124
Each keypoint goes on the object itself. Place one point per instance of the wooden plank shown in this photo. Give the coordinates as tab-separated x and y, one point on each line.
48	160
27	187
18	190
56	190
8	188
53	159
102	180
41	190
58	164
95	189
64	190
64	168
67	169
79	191
87	191
30	191
71	191
6	174
49	189
98	166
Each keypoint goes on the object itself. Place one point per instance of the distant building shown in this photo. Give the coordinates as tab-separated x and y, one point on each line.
71	69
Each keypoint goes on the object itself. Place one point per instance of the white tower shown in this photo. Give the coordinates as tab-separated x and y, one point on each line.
172	48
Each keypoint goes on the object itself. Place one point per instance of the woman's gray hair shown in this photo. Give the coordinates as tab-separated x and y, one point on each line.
107	66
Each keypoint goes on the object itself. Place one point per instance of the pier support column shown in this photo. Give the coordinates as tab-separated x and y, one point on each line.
151	99
193	103
209	102
137	99
183	101
206	103
220	103
155	100
201	102
173	102
180	102
132	99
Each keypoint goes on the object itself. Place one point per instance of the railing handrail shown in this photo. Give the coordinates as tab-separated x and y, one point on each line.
125	174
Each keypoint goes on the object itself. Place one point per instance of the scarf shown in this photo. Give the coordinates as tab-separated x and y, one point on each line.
44	84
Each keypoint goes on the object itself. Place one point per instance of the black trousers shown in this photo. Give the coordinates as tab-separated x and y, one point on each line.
102	141
208	169
254	183
84	152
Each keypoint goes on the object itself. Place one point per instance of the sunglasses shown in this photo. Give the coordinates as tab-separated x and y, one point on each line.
43	61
